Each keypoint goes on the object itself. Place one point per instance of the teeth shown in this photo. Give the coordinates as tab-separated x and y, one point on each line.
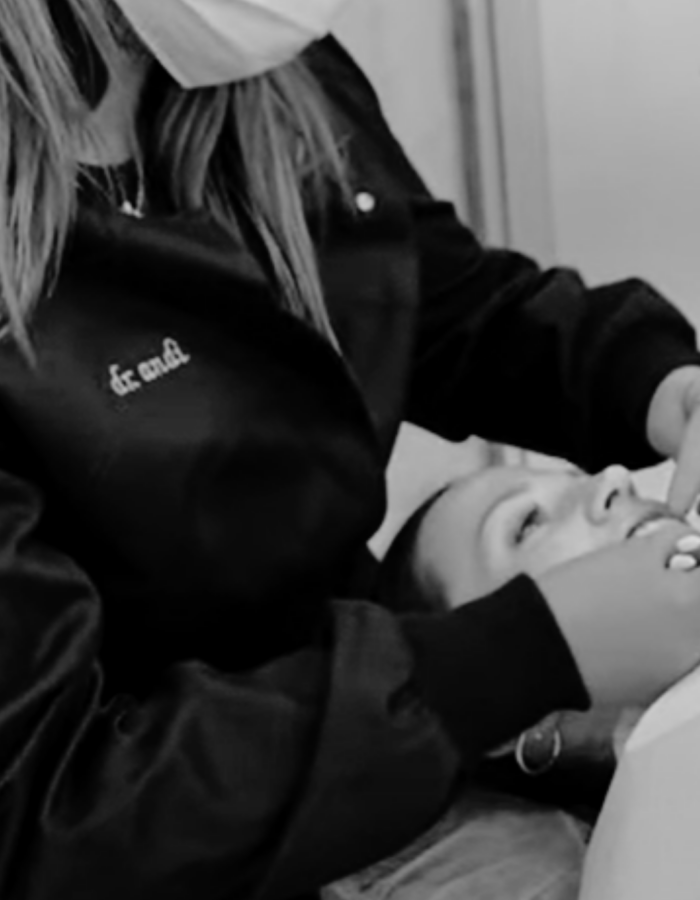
651	527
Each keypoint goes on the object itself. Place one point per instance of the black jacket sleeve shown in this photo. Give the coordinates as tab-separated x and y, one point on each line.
260	785
506	350
536	358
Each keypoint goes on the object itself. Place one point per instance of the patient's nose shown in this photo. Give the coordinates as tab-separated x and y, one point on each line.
610	486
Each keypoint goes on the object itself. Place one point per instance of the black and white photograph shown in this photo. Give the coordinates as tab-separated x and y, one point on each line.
349	449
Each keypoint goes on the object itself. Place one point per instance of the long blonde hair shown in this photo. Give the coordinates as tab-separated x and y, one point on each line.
266	144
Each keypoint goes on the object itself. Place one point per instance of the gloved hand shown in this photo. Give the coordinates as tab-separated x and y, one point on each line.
673	430
632	623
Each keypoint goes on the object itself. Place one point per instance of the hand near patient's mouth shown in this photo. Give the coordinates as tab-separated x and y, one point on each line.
687	555
652	520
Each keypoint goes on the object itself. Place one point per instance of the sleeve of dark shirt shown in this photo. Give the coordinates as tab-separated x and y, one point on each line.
537	358
508	350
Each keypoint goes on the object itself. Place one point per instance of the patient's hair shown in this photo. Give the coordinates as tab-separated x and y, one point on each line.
405	583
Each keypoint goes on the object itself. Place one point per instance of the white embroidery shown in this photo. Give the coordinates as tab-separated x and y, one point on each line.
127	381
123	382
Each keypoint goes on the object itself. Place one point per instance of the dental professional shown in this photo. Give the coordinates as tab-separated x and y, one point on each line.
223	287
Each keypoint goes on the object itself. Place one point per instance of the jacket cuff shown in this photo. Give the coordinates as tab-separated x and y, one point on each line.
494	667
628	384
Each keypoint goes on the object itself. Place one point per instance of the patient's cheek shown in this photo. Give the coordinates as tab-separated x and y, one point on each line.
468	576
561	546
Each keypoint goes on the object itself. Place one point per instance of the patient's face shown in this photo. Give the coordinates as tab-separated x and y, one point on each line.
504	521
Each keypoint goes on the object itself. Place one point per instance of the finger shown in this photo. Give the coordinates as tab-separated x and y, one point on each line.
666	541
685	485
686	591
682	562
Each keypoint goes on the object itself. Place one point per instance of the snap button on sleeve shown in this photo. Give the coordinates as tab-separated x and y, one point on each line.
366	202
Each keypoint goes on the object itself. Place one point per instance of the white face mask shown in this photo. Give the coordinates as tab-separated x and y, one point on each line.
209	42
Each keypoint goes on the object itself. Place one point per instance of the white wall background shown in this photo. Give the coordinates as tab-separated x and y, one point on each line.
406	48
611	142
622	104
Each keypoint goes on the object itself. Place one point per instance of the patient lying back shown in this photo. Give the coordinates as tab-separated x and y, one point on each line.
481	531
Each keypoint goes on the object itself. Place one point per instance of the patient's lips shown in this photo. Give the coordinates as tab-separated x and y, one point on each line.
651	526
651	521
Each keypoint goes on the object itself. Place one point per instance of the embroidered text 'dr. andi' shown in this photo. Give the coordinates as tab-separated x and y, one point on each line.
124	381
